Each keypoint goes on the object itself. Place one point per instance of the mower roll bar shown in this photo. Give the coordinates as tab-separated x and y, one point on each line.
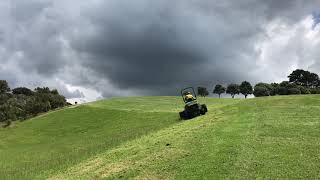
195	95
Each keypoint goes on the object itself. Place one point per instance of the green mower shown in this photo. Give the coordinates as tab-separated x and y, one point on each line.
192	108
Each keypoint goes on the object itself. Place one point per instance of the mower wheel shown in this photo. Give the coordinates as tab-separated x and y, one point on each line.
203	109
183	115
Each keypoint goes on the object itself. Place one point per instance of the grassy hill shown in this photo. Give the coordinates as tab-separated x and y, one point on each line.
143	138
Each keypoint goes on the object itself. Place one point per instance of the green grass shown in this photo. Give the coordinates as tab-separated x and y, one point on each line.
142	138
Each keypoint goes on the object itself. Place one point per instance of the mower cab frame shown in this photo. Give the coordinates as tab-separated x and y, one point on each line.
192	109
184	90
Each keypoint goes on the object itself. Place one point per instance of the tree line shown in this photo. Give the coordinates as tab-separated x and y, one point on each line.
22	103
299	82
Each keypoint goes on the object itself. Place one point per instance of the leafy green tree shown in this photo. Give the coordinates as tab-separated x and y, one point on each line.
304	78
246	89
202	91
219	89
314	80
45	90
318	84
54	92
23	103
4	87
299	76
233	89
22	90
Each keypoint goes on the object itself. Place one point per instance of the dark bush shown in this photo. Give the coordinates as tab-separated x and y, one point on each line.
294	91
283	91
315	91
275	89
260	91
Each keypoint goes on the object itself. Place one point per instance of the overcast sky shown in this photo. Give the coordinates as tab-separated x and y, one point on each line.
101	48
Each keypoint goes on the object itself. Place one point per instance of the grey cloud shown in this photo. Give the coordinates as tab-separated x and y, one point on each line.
144	47
153	45
161	47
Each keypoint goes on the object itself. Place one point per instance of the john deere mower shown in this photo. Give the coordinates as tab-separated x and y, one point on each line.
192	108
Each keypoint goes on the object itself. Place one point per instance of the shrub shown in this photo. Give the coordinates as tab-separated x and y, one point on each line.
275	89
260	91
315	91
294	91
283	91
57	101
304	90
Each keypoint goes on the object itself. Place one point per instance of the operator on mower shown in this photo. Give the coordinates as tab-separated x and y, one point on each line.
188	97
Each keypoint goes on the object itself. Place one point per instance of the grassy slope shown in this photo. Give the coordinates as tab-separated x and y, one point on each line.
59	139
270	138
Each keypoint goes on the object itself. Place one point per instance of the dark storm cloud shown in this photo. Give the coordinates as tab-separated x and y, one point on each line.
142	46
145	44
157	45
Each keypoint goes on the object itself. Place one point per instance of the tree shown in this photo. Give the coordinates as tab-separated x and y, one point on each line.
45	90
318	84
246	88
55	92
202	91
299	76
219	89
22	90
304	78
4	87
314	80
23	103
233	89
